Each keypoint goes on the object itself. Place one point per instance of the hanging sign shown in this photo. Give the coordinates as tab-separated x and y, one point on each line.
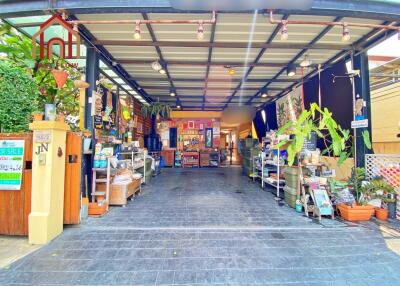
359	123
42	136
98	122
11	164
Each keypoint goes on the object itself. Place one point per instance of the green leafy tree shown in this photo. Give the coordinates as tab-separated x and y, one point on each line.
18	98
18	49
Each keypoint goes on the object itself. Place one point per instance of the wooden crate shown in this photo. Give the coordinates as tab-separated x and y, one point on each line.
119	194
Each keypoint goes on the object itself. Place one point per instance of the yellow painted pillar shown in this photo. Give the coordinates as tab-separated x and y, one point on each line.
48	172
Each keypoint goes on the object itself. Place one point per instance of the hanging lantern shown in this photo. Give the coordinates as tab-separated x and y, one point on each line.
60	76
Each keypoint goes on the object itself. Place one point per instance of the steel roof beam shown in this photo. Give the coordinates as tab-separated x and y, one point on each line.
202	63
260	54
214	80
298	56
202	88
351	8
371	38
231	45
160	56
209	58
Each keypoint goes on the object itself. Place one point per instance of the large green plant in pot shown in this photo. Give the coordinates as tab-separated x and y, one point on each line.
337	141
18	98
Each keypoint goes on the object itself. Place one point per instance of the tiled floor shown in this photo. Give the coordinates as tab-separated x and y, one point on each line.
210	227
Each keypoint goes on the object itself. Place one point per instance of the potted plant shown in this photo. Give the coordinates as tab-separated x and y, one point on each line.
365	192
157	109
337	141
379	189
61	117
37	116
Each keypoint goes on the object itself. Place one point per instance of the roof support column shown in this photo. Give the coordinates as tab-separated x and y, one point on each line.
92	75
362	89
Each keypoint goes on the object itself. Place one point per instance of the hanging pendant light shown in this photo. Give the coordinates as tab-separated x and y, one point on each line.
156	66
306	62
291	70
172	92
346	33
200	31
137	35
264	93
284	31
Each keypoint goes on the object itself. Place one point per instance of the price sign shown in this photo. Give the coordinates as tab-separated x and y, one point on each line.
11	164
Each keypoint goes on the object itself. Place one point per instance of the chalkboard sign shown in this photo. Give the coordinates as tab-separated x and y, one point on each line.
310	144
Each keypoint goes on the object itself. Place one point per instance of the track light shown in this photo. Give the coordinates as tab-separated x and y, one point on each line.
156	66
137	35
291	70
178	104
172	92
346	33
284	31
264	93
200	31
162	71
306	62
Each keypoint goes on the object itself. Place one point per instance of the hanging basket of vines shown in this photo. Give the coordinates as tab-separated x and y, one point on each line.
157	109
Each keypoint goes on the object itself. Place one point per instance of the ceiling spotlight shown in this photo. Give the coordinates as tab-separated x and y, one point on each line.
200	31
137	35
156	66
264	93
162	71
291	70
284	31
346	33
306	62
114	64
172	92
232	71
178	104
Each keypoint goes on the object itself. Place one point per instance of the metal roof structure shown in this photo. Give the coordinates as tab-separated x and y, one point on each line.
198	70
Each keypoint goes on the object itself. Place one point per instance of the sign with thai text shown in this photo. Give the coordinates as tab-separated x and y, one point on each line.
359	123
11	164
42	137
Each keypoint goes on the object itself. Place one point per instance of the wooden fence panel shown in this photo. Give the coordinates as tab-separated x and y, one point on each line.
15	206
72	184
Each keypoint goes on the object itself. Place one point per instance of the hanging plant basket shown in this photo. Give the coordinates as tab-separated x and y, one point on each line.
60	76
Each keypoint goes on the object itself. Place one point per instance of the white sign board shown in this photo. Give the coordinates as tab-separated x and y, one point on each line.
11	164
359	123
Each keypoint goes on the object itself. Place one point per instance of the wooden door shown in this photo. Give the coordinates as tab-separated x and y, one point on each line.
15	206
72	183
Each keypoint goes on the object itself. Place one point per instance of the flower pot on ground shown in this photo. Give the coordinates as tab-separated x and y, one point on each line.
381	214
355	212
37	116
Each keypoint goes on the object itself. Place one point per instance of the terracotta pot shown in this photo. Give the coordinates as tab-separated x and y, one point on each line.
61	117
60	76
37	116
355	212
381	214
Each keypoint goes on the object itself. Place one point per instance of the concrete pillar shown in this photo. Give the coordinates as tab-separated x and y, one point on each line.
48	162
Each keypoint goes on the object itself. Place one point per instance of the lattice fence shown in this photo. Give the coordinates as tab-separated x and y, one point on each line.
387	167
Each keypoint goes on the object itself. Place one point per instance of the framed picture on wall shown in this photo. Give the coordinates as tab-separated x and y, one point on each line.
140	127
209	138
190	124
